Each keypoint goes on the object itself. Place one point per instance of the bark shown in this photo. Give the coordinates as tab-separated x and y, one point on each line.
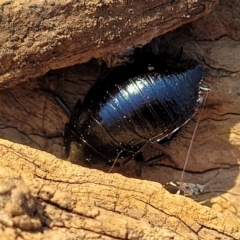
69	201
42	196
38	37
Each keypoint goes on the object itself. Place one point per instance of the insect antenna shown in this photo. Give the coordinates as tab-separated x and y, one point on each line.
114	162
194	132
48	86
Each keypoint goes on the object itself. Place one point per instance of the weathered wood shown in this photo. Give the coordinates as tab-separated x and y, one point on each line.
36	37
70	201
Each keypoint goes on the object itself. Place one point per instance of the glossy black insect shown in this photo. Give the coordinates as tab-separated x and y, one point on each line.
131	107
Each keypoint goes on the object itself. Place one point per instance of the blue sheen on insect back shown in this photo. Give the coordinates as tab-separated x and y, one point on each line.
131	107
165	99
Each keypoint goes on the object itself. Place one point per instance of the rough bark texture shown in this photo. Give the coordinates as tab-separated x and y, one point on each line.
68	202
44	197
38	37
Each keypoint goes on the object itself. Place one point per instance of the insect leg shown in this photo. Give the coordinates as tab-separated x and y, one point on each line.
169	138
64	105
153	161
115	161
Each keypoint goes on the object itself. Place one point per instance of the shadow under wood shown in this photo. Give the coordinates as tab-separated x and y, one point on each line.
31	116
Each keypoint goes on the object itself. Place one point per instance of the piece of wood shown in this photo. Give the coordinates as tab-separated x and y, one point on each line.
36	37
50	198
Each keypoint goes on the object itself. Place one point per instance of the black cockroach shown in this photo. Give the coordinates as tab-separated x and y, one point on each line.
130	107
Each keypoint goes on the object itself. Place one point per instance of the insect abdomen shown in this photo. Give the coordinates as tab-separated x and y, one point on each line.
126	110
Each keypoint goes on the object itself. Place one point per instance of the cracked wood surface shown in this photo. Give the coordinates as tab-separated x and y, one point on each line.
71	201
38	37
62	200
